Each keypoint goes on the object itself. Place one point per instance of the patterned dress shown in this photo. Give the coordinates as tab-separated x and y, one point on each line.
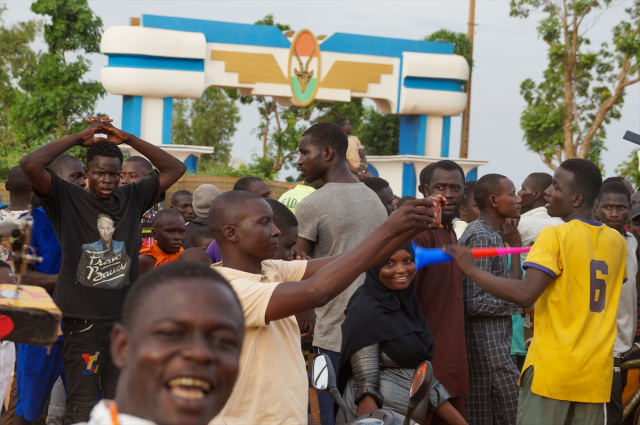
493	378
146	226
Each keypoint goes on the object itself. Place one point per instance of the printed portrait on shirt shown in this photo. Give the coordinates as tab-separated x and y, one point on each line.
104	263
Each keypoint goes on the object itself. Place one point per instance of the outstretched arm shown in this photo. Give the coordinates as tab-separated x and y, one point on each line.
33	164
290	298
522	292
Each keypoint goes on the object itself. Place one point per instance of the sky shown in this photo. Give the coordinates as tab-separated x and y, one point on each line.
507	51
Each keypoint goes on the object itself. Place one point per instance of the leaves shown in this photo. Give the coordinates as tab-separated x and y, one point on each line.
461	43
209	121
73	26
45	96
630	168
581	90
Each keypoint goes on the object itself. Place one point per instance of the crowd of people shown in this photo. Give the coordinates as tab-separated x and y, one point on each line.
200	312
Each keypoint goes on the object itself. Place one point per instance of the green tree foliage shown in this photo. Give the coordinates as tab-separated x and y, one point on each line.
461	43
581	90
15	57
379	133
53	95
209	121
630	169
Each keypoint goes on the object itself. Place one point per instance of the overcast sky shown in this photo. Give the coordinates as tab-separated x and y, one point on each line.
507	51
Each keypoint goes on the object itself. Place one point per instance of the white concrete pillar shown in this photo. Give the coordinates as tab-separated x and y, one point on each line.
433	140
151	120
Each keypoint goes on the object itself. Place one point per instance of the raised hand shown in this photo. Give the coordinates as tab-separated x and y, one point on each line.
510	232
102	125
414	216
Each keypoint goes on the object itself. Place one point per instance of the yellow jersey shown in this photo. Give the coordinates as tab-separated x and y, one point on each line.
575	321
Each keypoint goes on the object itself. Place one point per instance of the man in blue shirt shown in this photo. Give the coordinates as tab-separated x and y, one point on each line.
37	372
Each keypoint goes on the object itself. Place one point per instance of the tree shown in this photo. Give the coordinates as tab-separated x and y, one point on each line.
581	90
54	97
630	169
209	121
461	43
15	57
379	133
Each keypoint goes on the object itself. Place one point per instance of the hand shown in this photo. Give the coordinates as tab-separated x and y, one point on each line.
462	255
97	127
414	216
366	405
300	255
102	125
510	232
527	343
306	322
530	311
634	350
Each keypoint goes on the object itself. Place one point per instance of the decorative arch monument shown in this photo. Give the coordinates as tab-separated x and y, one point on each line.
160	58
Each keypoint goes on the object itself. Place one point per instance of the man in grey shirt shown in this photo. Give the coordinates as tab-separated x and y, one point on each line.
332	220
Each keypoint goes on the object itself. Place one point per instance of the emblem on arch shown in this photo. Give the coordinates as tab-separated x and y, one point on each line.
304	67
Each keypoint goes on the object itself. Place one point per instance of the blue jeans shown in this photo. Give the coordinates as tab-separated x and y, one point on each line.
327	412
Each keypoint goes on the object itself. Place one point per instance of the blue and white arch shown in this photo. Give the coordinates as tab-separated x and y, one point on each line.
169	58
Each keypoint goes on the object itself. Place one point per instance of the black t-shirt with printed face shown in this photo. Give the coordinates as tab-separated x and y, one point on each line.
100	244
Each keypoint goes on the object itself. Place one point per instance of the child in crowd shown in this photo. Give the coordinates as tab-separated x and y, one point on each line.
168	232
383	190
287	223
201	238
581	261
195	254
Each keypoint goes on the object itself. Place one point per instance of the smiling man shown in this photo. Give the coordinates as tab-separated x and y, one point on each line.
168	232
178	348
439	287
98	230
493	379
331	221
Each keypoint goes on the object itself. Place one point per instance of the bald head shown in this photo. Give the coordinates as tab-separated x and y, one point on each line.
229	209
162	215
195	254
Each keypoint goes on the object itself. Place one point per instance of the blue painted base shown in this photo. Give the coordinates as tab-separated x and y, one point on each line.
472	175
192	164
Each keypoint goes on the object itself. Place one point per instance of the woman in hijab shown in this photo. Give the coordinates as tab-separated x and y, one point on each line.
384	338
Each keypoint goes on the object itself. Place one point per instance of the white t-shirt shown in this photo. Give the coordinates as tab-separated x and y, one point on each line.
628	306
101	415
532	222
272	385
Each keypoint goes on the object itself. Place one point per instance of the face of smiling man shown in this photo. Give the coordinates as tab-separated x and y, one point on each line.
179	354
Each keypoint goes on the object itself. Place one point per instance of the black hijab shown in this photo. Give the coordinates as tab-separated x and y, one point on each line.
377	314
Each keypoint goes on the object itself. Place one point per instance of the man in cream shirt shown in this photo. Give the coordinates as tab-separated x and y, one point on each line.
272	386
